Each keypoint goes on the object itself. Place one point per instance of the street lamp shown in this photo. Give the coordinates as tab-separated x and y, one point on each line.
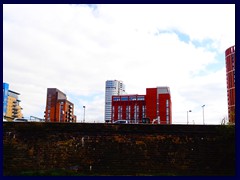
84	113
187	115
203	113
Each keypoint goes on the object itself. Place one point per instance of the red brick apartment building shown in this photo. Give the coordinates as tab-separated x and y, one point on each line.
155	105
230	74
58	108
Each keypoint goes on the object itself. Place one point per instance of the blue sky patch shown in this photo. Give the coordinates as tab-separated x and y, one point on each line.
93	6
183	37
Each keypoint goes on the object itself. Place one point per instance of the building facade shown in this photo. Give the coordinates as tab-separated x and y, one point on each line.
58	108
156	106
11	103
230	77
159	104
129	107
5	97
112	87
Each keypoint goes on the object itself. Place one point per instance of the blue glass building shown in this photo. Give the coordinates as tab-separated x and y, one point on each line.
5	97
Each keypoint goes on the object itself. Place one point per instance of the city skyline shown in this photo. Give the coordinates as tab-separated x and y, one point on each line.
76	48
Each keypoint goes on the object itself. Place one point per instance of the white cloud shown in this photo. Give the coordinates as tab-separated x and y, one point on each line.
76	49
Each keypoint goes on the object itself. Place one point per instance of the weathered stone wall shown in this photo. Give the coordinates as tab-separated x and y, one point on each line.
119	149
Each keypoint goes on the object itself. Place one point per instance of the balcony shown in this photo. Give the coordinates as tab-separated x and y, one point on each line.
15	112
14	108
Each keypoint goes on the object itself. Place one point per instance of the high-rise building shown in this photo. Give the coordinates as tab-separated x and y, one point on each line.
155	106
58	108
230	74
113	87
11	103
5	97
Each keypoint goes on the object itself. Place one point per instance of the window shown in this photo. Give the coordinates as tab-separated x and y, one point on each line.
143	111
128	108
132	98
136	112
140	98
116	98
124	98
167	103
167	119
119	112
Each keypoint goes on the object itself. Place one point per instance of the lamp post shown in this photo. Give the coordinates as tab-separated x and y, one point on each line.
203	113
187	115
84	113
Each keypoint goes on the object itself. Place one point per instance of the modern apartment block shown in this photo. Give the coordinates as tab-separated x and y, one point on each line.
113	87
58	108
230	74
11	103
159	104
129	107
156	106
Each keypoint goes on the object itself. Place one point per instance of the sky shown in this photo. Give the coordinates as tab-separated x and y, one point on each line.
76	48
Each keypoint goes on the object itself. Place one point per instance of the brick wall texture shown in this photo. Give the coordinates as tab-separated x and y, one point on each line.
119	149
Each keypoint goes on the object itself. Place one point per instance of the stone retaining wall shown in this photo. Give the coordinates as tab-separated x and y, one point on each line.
119	149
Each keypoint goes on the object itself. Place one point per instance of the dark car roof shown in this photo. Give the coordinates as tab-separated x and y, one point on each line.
20	119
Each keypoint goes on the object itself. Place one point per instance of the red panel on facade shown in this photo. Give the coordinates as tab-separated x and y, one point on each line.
230	74
151	103
165	110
